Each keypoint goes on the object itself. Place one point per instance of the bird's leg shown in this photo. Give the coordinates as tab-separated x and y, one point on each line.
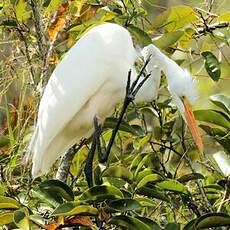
131	91
96	144
89	162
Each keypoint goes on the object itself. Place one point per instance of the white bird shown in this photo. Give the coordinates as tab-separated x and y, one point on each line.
89	81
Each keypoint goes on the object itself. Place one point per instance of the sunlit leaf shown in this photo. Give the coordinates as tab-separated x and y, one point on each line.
141	36
51	5
119	172
212	65
129	222
223	162
186	38
222	101
149	178
173	185
58	187
100	193
111	122
71	208
168	39
225	17
6	218
213	117
124	205
21	11
8	203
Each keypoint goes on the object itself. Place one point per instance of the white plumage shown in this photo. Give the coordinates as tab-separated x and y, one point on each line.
90	80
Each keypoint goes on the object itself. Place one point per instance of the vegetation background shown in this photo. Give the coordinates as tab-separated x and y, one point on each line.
155	177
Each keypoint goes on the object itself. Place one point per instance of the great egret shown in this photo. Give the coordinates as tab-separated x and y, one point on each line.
90	80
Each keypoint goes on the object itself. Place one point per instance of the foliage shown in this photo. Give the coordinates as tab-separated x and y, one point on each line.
155	177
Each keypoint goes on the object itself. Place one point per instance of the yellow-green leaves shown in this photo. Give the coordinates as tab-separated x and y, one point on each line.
225	17
21	11
175	18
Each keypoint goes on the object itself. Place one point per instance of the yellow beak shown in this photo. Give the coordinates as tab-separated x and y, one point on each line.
190	119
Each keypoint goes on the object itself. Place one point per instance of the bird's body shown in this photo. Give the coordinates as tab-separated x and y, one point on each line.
88	82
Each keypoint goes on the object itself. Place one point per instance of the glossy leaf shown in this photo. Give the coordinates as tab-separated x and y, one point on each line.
153	193
190	176
58	187
124	205
111	122
119	172
141	36
173	185
50	198
222	101
152	224
6	218
213	117
145	202
168	39
149	178
212	65
172	226
71	209
129	222
212	220
8	203
101	193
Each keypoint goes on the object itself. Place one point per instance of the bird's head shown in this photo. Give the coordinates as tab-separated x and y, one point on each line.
182	87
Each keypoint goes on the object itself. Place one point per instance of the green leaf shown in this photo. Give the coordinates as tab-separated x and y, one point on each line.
219	135
58	187
225	17
4	140
101	193
52	199
111	122
172	226
213	117
152	224
190	176
73	208
145	202
118	172
173	185
212	220
222	101
21	219
212	65
124	205
186	38
8	203
149	178
52	5
136	161
21	12
168	39
153	193
141	36
129	222
143	174
8	24
6	218
190	225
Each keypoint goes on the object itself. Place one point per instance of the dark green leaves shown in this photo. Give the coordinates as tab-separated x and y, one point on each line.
59	188
129	222
208	221
124	205
212	65
222	101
